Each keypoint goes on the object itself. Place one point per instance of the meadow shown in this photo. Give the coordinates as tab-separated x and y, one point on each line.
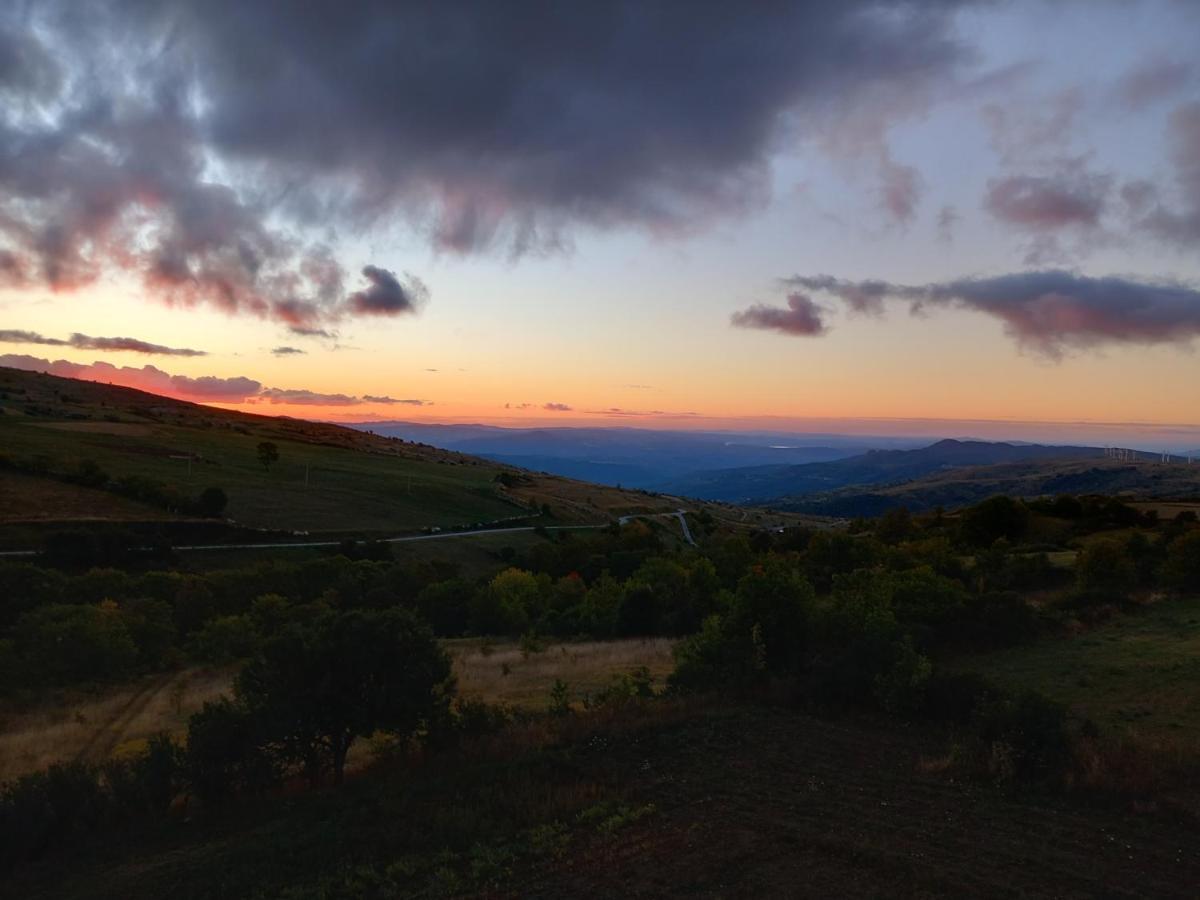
1137	673
92	725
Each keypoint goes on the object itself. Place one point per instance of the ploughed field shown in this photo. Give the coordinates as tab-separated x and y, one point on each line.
674	801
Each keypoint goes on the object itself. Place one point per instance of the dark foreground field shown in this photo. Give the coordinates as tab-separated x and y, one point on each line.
669	801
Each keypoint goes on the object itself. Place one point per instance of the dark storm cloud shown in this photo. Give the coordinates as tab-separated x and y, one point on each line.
200	146
386	295
801	316
1047	311
87	342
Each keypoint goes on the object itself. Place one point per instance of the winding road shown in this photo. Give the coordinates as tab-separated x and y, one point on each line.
446	535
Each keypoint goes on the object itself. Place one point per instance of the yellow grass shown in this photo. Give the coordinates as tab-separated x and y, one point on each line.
92	727
501	673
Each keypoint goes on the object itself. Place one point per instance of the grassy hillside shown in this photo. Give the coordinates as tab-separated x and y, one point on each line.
327	479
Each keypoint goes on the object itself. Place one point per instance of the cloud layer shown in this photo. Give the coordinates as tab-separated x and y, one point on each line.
86	342
203	389
1047	311
218	151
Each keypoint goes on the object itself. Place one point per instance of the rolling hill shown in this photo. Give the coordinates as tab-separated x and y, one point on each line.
1143	479
634	457
769	483
80	451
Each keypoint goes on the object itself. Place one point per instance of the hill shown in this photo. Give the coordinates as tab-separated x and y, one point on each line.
1144	479
633	457
766	483
79	451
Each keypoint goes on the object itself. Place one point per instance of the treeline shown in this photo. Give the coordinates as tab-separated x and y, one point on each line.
951	582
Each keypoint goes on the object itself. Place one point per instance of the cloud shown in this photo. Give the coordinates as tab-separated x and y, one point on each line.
205	389
1151	81
1047	311
1048	203
86	342
1179	223
800	317
900	190
386	296
556	407
288	351
1027	130
947	218
217	150
301	397
389	401
305	331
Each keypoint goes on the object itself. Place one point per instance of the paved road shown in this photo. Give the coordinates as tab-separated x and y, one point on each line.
440	536
680	514
287	545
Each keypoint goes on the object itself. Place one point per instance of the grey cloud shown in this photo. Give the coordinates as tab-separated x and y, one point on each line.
288	351
800	317
1048	311
1152	81
386	295
367	398
87	342
556	407
479	124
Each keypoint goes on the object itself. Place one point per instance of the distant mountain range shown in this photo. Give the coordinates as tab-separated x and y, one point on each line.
1146	478
760	484
634	457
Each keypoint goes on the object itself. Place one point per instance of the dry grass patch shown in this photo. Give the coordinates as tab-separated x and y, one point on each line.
503	673
91	727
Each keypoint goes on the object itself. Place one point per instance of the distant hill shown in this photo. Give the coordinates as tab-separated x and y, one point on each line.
771	483
633	457
1147	478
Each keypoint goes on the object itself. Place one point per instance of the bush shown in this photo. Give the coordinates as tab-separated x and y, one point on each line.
224	753
61	643
1023	738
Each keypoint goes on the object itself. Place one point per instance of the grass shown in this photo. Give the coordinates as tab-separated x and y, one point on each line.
1140	673
328	478
90	726
666	799
502	673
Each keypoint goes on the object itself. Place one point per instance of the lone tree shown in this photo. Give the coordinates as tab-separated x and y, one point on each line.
321	684
268	453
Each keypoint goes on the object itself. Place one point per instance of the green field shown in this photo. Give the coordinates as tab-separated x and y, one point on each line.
1139	673
345	489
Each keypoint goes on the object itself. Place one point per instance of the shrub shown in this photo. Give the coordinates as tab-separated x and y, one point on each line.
1023	738
224	753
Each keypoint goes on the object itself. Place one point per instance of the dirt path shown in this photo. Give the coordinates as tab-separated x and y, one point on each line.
113	730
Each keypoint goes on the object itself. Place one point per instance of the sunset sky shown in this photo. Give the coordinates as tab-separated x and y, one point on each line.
686	215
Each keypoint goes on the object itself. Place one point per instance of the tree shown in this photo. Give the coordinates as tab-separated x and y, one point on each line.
212	500
1105	569
268	453
319	685
999	517
1182	567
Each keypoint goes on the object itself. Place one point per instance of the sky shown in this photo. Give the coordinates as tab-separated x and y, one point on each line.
796	216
